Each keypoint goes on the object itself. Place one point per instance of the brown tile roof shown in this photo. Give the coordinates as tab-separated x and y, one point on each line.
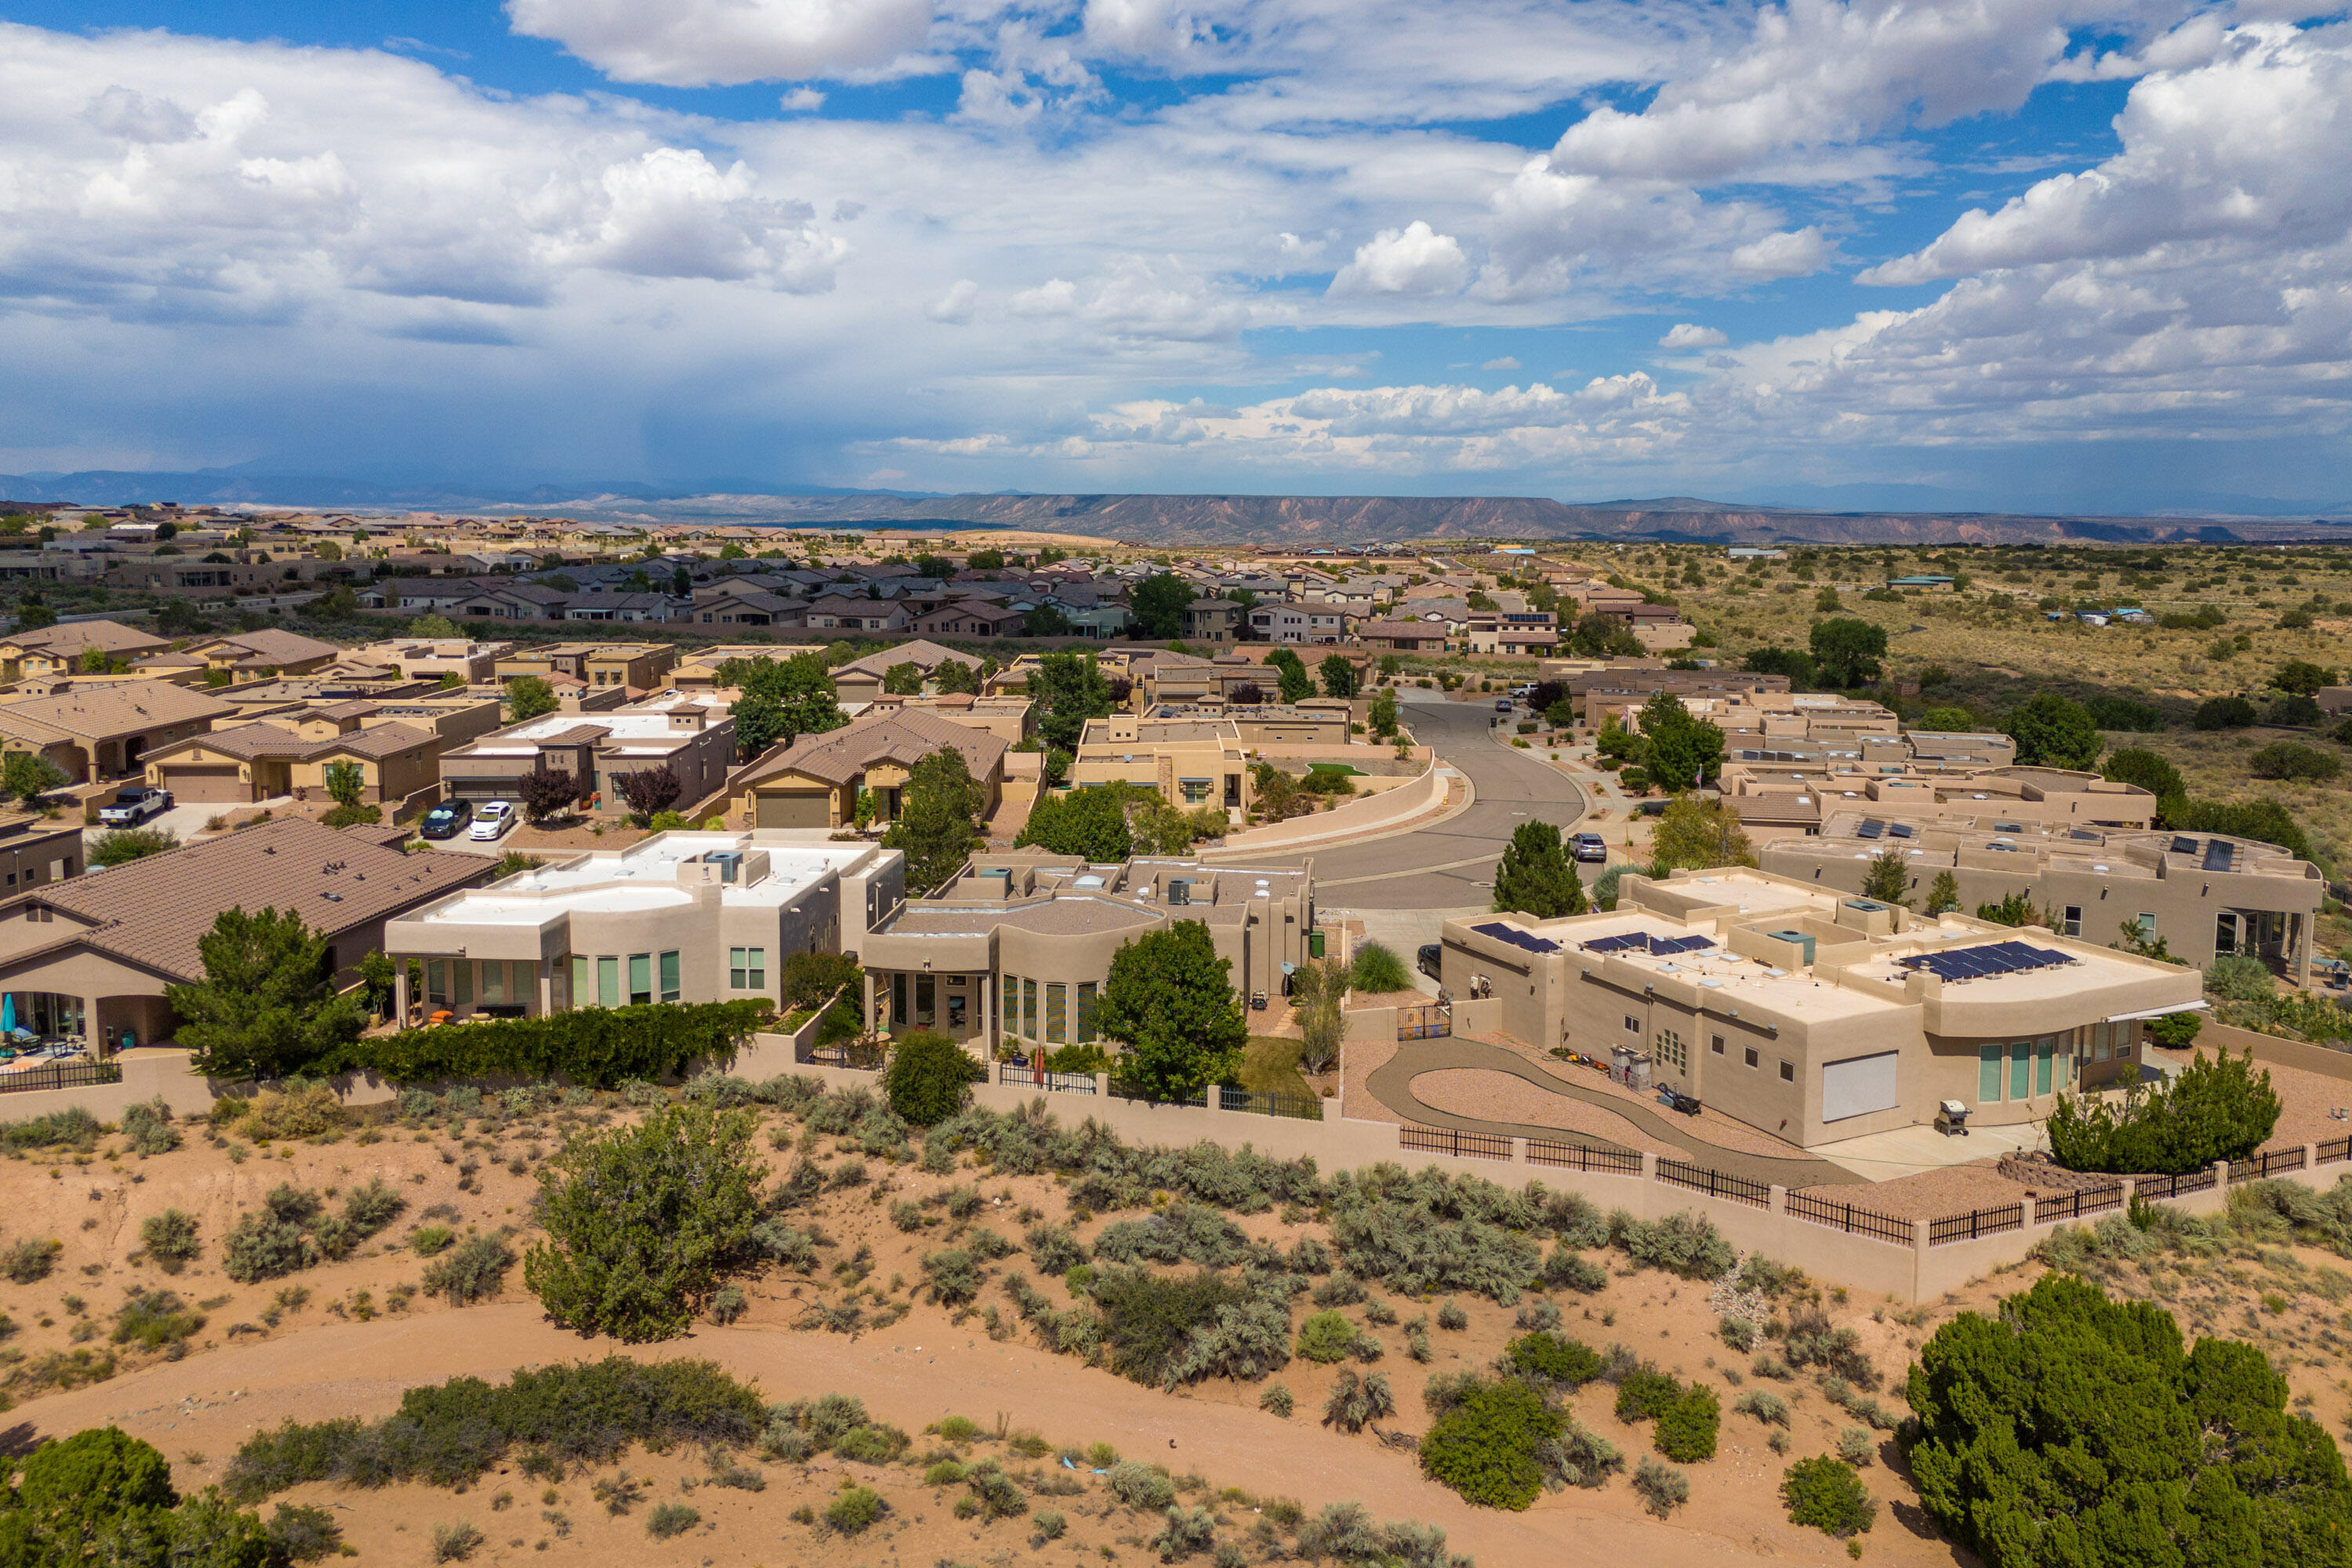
73	636
153	912
270	645
907	736
105	712
923	654
263	740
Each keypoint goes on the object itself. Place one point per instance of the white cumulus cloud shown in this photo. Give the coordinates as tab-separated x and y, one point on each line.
1414	260
1688	335
697	43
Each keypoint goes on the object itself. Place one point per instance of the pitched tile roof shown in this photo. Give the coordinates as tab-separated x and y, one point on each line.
104	712
906	736
265	740
153	912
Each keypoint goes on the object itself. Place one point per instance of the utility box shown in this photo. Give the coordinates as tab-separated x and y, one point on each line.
1798	940
1630	1066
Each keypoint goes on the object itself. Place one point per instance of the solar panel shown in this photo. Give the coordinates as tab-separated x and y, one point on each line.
1679	944
1900	829
1614	943
1870	829
1516	937
2184	846
2218	854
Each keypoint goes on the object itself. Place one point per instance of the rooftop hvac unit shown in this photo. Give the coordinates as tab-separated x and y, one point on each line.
1796	939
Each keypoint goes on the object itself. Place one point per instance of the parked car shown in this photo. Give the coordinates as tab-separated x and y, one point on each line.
131	807
1429	959
443	820
492	821
1588	846
1502	705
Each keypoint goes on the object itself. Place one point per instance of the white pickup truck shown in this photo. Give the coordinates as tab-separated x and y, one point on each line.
131	807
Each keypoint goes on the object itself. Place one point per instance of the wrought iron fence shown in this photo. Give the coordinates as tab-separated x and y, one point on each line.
1846	1217
1122	1090
2157	1188
2075	1204
1715	1183
1976	1223
1297	1107
62	1075
2334	1149
1584	1157
1447	1141
1018	1077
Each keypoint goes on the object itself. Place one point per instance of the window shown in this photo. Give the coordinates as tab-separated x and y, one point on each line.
2019	1059
747	969
669	986
579	980
1632	1025
640	979
1715	1043
926	1000
2044	1049
2146	926
2225	932
1671	1051
2072	924
608	982
898	1000
494	984
1787	1072
1085	1011
436	981
1196	791
1057	1012
1987	1072
464	979
1029	1009
1750	1054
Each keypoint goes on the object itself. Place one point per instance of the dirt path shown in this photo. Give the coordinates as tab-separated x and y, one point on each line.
208	1404
1392	1085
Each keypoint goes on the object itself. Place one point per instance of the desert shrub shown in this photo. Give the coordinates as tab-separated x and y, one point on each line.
455	1542
1644	1394
427	1241
1344	1533
1054	1249
1451	1317
28	1261
728	1303
994	1494
1188	1531
1568	1270
1769	1408
1378	969
154	1320
1357	1402
1555	1358
1277	1401
1325	1337
148	1127
275	1240
671	1519
854	1510
1149	1321
955	1276
73	1128
1767	1365
304	1112
1489	1444
1821	1494
1144	1488
1180	1233
170	1240
1813	1340
369	1208
1736	1333
2294	760
1854	1447
1680	1243
644	1222
1687	1429
1581	1458
473	1271
1446	1390
1662	1487
1423	1233
1244	1339
1766	1277
451	1433
1365	1347
1341	1289
927	1077
299	1533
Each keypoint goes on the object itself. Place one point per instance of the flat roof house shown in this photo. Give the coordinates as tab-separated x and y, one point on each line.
680	917
595	747
1814	1015
1016	950
90	957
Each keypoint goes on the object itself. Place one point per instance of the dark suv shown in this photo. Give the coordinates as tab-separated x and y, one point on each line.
447	820
1430	958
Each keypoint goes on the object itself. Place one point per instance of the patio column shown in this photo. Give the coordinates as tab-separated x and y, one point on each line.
546	989
400	993
866	1017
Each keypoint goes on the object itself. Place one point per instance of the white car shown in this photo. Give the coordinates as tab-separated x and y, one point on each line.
492	821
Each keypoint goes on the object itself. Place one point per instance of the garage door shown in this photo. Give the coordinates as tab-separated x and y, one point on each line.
1858	1085
206	785
481	789
803	809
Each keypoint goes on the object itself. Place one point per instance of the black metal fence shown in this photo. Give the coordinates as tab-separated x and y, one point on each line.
1446	1140
1584	1157
1975	1223
2263	1165
1297	1107
2334	1149
1715	1183
844	1054
1019	1076
2156	1188
1848	1218
2075	1204
62	1075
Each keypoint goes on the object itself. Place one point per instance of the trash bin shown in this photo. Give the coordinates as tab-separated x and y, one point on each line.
1315	941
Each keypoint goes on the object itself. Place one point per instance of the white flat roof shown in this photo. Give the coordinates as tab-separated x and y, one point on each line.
645	875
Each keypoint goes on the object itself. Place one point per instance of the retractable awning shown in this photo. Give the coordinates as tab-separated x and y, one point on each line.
2197	1006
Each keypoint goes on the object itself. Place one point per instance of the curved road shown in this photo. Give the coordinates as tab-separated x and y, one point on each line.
1452	865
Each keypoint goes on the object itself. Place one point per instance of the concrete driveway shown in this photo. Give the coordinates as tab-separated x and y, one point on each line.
187	822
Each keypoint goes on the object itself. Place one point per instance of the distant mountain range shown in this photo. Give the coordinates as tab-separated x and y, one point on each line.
1195	518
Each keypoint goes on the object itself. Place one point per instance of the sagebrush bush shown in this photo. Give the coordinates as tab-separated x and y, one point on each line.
1821	1494
170	1240
154	1320
305	1112
1644	1394
1736	1333
955	1276
147	1125
1569	1270
1813	1340
1145	1488
28	1261
475	1270
427	1241
1182	1233
1054	1249
1854	1447
671	1519
1554	1358
1356	1403
1188	1531
299	1533
73	1128
1662	1487
1769	1408
854	1510
1580	1458
1680	1243
455	1542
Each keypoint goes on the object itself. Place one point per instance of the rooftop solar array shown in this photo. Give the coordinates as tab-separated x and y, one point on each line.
1870	829
1984	963
2184	846
1516	937
2217	853
1643	942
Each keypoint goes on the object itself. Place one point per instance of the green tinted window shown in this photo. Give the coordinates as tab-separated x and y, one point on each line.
1987	1072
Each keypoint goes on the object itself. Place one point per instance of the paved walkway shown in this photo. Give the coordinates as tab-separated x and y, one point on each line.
1392	1086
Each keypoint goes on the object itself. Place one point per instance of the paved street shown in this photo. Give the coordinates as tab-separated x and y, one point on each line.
1452	865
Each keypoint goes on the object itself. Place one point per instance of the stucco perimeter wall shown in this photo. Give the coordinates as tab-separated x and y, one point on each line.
1364	815
1478	1018
2278	1052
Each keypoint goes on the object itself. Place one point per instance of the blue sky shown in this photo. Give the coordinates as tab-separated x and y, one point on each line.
1990	253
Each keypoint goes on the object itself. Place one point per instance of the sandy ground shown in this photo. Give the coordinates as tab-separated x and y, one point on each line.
1358	1060
1931	1195
1499	1096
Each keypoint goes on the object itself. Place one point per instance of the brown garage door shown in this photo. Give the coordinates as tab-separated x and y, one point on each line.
206	785
807	808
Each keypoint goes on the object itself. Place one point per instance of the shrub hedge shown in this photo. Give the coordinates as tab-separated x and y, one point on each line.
599	1046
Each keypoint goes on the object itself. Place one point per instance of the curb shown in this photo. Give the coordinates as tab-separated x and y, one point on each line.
1412	826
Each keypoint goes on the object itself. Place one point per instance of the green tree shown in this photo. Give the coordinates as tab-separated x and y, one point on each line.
954	675
926	1077
1889	880
1597	635
1846	652
1947	720
2015	908
27	776
780	701
1170	998
1297	685
1089	821
34	614
102	1496
267	1006
1945	896
1047	621
2300	677
1535	875
1318	987
1068	689
903	680
2138	766
1383	713
2217	1109
125	845
644	1222
2070	1431
1338	677
1683	750
346	784
1158	605
434	626
528	696
1693	833
2053	731
935	827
